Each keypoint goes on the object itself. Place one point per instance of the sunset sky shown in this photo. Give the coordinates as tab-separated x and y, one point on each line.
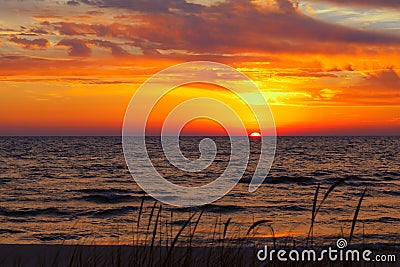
326	67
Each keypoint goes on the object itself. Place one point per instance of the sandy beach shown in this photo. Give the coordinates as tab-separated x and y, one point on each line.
124	255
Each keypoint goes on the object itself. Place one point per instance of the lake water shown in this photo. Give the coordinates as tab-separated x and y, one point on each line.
79	190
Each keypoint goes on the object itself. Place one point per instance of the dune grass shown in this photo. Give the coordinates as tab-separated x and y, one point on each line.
156	243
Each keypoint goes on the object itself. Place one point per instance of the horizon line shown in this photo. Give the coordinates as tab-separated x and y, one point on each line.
202	135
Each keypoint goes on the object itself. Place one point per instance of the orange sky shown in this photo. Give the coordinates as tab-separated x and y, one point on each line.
326	67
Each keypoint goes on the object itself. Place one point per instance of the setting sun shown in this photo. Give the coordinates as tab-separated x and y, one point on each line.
255	134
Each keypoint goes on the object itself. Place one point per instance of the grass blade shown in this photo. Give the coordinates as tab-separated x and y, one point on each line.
257	223
140	213
176	239
226	226
155	227
151	215
356	215
333	186
313	213
195	227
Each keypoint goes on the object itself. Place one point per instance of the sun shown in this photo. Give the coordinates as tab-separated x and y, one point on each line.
255	134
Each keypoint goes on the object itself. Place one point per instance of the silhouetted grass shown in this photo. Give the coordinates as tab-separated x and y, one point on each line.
316	209
155	243
353	224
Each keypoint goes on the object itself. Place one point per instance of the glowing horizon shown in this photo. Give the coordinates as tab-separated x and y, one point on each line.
71	67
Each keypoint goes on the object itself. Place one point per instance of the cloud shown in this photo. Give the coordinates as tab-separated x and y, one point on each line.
38	31
242	27
82	48
77	48
153	6
71	28
73	80
376	89
384	80
40	43
23	65
231	27
328	94
306	73
73	3
364	3
286	5
116	50
94	13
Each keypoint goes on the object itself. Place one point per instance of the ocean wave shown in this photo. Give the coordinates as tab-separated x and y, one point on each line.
5	180
33	212
111	212
382	220
391	193
292	208
58	236
108	198
10	231
103	190
214	208
282	180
